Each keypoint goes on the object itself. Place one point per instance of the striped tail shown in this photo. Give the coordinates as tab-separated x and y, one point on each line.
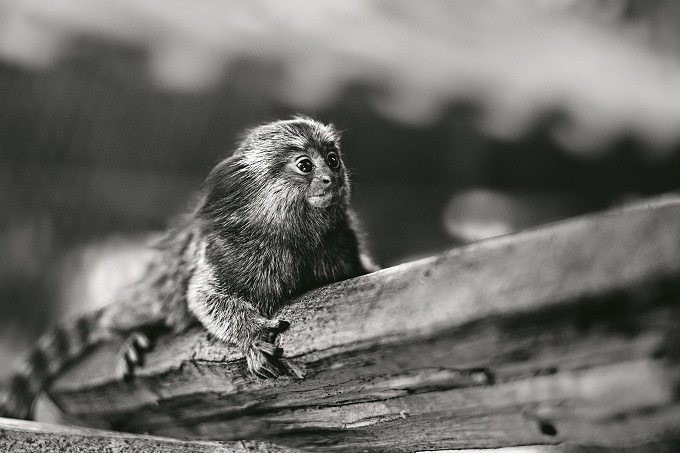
54	351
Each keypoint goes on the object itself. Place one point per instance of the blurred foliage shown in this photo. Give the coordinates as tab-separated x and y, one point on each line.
609	66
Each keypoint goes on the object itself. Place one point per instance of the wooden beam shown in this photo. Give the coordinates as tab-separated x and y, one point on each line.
564	335
23	436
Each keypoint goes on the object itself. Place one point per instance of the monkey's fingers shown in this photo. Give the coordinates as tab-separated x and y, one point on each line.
261	360
141	341
281	325
274	327
266	370
125	369
267	348
133	351
273	364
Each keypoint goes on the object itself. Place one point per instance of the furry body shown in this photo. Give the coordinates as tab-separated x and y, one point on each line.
272	222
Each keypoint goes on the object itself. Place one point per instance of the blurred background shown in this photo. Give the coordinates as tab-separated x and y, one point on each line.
462	120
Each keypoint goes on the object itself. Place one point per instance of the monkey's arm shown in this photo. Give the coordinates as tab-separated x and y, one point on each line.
235	320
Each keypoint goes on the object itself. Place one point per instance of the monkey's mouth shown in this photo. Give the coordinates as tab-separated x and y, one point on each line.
321	199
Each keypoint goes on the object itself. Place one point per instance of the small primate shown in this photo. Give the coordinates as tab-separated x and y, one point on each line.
272	222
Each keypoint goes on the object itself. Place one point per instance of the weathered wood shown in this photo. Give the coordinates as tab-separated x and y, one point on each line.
565	335
21	436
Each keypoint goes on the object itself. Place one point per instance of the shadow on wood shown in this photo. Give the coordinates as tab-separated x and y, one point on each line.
564	335
23	436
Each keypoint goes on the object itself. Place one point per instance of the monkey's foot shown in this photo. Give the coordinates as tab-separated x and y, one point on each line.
132	354
263	359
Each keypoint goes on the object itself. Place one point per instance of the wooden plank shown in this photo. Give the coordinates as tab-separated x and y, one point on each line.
23	436
564	335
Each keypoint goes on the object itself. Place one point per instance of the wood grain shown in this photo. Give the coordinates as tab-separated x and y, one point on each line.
564	335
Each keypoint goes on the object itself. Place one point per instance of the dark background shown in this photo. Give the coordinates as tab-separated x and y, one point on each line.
462	120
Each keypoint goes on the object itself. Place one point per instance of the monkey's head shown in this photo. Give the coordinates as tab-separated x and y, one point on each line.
299	158
279	168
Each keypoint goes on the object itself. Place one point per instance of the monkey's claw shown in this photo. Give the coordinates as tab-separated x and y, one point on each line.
262	358
292	369
273	328
132	354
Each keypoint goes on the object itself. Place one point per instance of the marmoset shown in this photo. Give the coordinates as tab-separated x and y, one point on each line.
271	222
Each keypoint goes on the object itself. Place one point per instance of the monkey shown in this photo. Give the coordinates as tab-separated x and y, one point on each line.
271	222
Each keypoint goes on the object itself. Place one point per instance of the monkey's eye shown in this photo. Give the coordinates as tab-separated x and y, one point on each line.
333	160
304	165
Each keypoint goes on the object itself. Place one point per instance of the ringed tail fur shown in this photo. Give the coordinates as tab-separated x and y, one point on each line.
54	351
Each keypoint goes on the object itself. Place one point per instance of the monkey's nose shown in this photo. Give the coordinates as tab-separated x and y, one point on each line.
325	179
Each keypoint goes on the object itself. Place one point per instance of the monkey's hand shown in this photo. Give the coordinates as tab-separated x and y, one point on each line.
235	320
263	359
263	356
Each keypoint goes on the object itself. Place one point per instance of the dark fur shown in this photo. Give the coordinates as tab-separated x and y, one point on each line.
253	242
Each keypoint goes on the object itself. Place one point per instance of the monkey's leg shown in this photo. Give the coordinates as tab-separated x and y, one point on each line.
137	324
140	339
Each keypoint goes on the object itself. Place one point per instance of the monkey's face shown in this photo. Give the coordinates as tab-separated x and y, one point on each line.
321	175
282	166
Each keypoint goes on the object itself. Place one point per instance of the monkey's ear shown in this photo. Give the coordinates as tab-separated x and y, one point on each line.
221	174
221	187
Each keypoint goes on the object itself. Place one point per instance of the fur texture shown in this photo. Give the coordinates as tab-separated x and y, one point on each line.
272	222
